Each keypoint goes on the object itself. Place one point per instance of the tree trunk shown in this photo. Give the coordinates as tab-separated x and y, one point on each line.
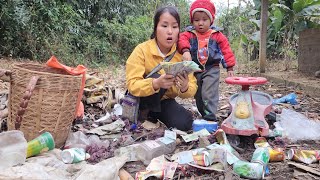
263	35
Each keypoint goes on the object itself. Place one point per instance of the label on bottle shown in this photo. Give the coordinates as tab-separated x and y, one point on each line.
152	144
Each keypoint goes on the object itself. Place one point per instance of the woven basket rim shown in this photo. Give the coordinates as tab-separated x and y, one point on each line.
18	66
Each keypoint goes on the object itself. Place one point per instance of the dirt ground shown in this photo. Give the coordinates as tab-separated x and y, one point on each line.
308	105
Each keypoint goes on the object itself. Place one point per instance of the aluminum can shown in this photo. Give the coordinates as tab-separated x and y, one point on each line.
276	154
305	156
261	155
249	170
201	159
73	155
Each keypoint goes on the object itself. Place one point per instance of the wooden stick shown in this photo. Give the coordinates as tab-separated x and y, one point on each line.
124	175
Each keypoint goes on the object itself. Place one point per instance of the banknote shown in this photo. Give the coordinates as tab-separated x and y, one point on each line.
178	67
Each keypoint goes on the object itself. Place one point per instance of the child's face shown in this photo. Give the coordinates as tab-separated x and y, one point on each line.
201	21
167	32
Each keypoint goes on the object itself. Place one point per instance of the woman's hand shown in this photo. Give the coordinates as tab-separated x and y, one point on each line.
165	81
182	81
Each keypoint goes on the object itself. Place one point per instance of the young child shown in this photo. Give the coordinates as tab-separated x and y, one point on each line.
208	48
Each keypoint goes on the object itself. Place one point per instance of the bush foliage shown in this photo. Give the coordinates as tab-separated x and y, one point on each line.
89	32
102	32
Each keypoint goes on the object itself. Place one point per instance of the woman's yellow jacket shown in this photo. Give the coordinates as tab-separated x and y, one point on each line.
141	62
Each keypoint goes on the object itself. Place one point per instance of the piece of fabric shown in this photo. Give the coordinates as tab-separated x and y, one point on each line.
203	5
173	115
80	69
207	96
141	62
219	48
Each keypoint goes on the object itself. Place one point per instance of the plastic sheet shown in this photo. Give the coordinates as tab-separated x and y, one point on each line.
296	126
13	148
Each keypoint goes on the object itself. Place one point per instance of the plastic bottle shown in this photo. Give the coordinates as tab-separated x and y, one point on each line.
74	155
150	149
13	148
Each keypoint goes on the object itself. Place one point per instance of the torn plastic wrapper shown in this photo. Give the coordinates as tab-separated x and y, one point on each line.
160	164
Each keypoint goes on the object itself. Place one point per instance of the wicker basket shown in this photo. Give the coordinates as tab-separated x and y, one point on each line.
42	99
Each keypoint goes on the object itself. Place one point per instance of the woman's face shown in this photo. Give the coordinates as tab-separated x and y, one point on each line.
167	32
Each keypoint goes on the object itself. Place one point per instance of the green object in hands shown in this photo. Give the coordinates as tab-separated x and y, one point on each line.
178	67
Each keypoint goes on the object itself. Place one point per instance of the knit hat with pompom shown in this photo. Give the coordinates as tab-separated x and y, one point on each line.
203	5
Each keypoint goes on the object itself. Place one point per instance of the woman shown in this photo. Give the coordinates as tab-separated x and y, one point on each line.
158	92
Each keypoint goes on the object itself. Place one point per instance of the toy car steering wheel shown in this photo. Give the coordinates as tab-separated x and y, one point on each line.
245	81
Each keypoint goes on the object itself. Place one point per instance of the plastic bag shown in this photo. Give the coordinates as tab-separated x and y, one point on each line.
77	140
290	98
13	148
298	127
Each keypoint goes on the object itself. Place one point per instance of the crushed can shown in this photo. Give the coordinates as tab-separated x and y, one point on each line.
305	156
249	170
261	155
276	154
261	142
201	159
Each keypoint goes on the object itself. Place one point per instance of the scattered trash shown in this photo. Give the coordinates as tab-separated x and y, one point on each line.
104	119
249	170
160	164
206	158
276	154
106	169
129	151
290	98
150	125
150	149
117	110
232	155
42	143
261	155
183	157
195	135
113	144
298	127
275	132
305	156
143	175
199	124
111	128
77	139
74	155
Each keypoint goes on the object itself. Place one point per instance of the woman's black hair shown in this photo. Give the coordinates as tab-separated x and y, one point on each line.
171	10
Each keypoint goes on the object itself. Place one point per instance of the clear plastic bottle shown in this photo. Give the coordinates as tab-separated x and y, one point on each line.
150	149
